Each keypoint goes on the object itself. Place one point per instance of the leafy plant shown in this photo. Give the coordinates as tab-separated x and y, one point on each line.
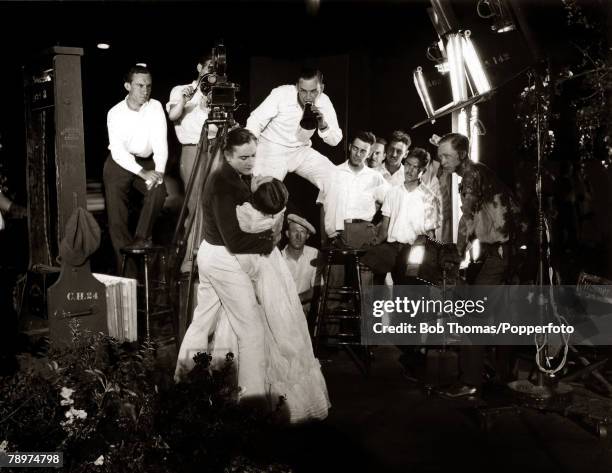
109	408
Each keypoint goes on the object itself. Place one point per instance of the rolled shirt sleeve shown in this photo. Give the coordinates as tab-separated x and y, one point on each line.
176	95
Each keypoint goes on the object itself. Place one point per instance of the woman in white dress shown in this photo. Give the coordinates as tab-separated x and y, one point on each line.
293	374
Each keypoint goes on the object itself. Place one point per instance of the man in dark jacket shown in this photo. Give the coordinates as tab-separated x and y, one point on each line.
224	288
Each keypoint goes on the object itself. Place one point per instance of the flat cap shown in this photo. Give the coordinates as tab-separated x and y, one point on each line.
301	221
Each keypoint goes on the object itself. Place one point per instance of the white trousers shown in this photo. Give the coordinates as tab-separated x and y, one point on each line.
224	286
277	160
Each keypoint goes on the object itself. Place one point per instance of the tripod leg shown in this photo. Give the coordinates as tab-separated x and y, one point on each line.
195	237
183	227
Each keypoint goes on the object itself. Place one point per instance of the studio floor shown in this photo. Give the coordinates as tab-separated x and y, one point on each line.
384	423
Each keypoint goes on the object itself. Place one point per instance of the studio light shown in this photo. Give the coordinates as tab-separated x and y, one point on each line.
417	254
421	260
503	20
442	17
430	261
498	11
455	62
421	86
474	65
468	78
475	249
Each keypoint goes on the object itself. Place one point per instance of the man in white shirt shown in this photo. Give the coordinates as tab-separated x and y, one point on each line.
301	258
430	181
351	201
284	144
408	211
138	154
188	109
396	151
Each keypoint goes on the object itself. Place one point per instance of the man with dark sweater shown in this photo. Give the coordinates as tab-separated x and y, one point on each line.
224	288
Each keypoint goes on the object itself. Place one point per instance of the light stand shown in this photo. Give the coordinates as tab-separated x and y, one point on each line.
547	389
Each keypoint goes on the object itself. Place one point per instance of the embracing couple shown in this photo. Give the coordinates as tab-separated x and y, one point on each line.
246	296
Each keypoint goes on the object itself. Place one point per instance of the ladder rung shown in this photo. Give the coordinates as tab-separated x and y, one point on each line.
345	335
343	290
329	316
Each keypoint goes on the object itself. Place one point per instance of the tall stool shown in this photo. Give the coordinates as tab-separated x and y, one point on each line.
349	318
144	257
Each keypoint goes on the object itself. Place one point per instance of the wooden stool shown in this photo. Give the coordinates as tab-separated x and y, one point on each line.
144	256
350	288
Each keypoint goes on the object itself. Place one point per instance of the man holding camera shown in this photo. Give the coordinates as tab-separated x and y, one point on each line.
284	123
188	109
138	153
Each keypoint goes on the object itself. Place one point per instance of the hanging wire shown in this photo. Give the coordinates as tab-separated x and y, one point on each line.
544	230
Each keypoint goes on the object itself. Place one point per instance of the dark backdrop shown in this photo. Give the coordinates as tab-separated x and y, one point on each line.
368	51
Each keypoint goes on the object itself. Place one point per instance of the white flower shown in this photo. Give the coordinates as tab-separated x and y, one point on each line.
66	402
3	446
99	460
76	413
79	413
66	393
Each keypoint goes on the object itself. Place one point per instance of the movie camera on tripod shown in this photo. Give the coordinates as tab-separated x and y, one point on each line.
213	83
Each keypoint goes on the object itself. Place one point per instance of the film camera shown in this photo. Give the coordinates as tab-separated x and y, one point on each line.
214	85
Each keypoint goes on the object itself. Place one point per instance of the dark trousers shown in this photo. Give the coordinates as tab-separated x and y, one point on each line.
118	183
493	272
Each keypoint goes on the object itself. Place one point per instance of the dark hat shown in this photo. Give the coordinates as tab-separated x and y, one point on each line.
81	239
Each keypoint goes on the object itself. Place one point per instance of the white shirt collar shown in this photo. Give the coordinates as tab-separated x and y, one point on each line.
143	106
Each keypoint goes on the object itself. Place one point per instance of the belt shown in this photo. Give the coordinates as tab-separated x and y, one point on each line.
189	144
355	220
